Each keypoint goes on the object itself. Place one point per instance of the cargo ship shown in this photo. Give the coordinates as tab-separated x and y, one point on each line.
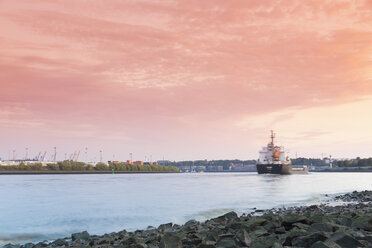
273	160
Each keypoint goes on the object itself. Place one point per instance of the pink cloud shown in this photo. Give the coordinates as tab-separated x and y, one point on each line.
165	69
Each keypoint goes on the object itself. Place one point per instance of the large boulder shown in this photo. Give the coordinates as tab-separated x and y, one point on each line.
10	246
255	222
320	244
170	240
264	242
226	242
60	242
81	236
290	219
165	227
243	237
309	240
322	227
345	240
321	218
231	215
363	222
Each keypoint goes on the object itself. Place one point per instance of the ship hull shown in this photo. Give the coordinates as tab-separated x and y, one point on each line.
281	169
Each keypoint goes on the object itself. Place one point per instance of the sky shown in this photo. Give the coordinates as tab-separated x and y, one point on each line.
184	80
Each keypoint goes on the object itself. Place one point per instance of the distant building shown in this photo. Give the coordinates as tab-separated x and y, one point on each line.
138	162
129	161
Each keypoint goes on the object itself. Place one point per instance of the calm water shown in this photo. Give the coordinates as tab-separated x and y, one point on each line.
39	207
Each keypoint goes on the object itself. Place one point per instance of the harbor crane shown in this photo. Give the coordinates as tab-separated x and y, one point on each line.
54	156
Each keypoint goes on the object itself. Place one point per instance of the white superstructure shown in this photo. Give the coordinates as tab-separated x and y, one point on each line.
272	154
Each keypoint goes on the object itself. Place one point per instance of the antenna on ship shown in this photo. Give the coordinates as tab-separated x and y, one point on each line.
272	137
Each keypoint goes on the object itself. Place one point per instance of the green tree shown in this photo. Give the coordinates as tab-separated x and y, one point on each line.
102	167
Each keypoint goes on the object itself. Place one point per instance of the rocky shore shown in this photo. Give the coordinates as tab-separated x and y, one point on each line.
318	226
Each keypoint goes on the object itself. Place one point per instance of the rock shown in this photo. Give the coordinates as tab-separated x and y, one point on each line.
170	240
323	227
345	221
127	242
290	219
254	222
363	222
150	228
226	217
10	246
206	246
280	230
211	236
277	245
243	238
59	242
226	243
344	240
368	238
230	215
296	232
260	231
365	243
41	244
165	227
301	226
263	242
320	218
236	225
28	245
192	223
80	236
105	240
307	241
320	244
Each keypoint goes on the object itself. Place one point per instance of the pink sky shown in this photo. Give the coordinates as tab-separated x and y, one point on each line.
185	79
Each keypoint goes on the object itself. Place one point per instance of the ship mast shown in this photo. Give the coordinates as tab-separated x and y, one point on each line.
272	137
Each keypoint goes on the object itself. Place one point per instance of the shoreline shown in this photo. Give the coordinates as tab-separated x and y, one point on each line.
81	172
346	223
152	172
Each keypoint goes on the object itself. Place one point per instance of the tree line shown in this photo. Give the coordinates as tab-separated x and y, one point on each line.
358	162
81	166
224	163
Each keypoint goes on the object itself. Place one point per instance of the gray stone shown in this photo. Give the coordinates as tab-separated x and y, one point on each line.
192	223
296	232
226	243
127	242
320	244
206	246
301	226
60	242
320	218
254	222
10	246
344	240
323	227
277	245
165	227
28	245
307	241
290	219
170	240
81	236
263	242
345	221
363	222
243	237
230	215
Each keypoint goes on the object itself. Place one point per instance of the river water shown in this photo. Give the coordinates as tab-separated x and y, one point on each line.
45	207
